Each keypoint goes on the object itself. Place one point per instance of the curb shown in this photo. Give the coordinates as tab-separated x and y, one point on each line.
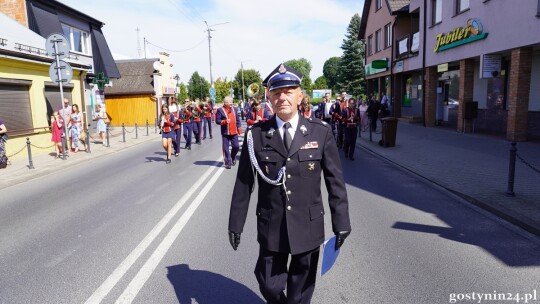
502	213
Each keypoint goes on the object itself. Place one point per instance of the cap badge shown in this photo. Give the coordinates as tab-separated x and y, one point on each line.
282	69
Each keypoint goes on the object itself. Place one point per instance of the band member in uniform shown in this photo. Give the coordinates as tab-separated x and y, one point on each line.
188	123
207	119
197	112
335	113
166	123
178	121
289	153
230	128
257	113
351	119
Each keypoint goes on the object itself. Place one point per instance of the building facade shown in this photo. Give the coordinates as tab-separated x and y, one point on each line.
466	64
24	66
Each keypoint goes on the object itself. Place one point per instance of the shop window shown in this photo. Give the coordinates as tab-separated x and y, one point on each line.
378	41
436	11
388	35
461	6
370	45
79	40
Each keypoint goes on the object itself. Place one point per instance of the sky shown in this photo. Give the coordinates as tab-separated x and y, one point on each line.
258	35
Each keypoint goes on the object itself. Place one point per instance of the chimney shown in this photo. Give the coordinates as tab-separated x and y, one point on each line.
15	9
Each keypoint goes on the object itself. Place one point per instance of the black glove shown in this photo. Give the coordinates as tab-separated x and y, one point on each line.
340	238
234	239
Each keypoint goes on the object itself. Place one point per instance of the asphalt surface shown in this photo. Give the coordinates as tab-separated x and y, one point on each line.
124	227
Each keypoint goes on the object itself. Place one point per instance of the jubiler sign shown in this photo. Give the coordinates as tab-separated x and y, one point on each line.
460	36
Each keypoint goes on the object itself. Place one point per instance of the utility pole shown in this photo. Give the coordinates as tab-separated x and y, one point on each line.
242	69
208	30
138	42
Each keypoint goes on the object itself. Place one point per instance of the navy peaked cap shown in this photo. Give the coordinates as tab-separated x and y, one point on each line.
281	77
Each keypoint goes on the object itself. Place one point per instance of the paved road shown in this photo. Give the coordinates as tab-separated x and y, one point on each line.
127	228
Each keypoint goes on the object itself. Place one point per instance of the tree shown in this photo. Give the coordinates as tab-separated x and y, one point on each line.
303	66
320	83
222	89
183	93
330	72
250	76
198	86
351	69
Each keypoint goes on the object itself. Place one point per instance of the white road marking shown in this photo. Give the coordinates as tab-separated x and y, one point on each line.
126	264
148	268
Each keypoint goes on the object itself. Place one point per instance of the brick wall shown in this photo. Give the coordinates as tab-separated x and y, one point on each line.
431	95
466	86
518	96
16	9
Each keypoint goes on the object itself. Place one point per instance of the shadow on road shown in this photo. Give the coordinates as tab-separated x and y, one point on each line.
150	159
207	163
208	287
466	226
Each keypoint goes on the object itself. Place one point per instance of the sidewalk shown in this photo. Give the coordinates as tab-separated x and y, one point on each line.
473	166
45	163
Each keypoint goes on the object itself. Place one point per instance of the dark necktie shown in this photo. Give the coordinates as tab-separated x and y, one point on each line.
287	139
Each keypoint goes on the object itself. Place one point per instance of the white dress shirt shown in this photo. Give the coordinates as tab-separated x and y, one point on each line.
292	129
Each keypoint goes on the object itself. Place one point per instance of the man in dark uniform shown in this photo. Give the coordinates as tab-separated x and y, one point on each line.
289	153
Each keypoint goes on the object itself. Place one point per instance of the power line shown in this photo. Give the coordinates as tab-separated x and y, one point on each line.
177	51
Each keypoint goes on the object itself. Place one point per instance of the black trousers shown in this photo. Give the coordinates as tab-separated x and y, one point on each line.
273	276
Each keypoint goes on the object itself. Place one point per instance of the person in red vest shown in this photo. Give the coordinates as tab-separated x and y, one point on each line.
257	113
351	118
230	128
197	111
207	118
166	124
178	118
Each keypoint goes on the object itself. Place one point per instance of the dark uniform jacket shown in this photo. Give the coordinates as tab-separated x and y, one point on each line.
296	225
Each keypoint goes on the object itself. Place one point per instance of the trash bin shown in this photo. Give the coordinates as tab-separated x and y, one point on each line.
389	130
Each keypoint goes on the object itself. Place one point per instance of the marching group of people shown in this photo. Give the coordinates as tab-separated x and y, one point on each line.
347	116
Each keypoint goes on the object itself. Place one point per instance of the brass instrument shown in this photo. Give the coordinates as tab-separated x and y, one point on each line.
253	89
195	111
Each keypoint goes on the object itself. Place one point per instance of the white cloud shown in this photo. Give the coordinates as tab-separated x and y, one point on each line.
259	34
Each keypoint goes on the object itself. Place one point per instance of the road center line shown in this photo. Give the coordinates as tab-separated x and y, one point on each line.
148	268
126	264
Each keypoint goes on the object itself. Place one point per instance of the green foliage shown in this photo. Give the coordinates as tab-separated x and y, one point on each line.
351	69
222	89
331	72
250	76
303	66
198	86
183	93
320	83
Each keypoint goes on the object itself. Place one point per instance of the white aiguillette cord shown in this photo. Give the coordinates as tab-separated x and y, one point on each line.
281	177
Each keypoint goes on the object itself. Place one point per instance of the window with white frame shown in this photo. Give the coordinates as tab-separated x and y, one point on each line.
378	40
370	45
436	11
79	40
461	5
378	4
388	35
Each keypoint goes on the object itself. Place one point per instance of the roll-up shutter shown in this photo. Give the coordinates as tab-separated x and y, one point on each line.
53	99
15	108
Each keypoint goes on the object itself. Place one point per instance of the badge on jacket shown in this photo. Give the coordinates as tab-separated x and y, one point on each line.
310	145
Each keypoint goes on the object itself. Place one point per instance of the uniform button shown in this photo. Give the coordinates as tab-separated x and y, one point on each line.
288	176
267	157
311	156
288	159
289	208
289	192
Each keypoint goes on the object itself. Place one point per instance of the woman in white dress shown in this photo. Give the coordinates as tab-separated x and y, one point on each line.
101	126
364	121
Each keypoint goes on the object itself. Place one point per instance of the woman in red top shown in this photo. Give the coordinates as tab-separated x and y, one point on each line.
167	123
305	108
56	130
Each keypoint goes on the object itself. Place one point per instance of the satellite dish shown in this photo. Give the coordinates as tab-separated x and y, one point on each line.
157	65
